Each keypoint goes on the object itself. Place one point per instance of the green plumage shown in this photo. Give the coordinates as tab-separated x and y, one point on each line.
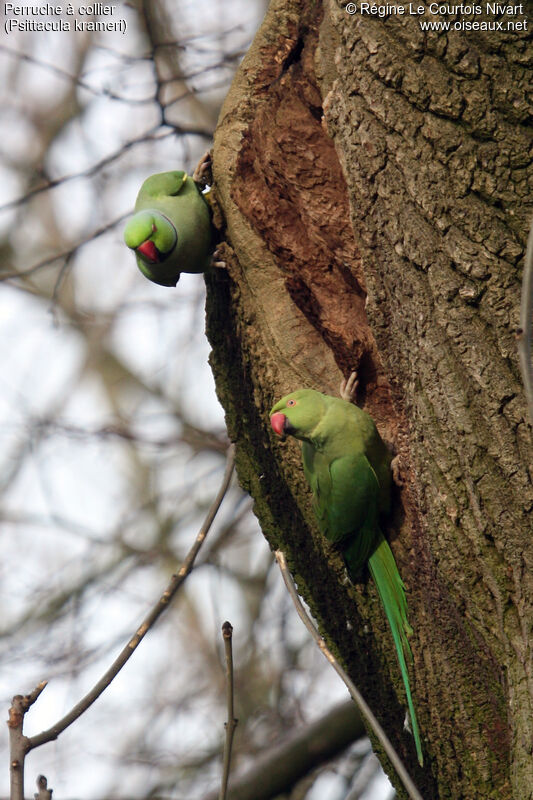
171	230
347	465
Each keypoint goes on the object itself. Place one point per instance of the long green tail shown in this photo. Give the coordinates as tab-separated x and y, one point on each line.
392	592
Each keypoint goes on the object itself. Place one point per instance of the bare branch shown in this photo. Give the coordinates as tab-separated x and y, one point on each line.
280	768
18	743
363	777
43	792
195	437
74	79
526	324
177	580
231	724
152	134
66	255
358	698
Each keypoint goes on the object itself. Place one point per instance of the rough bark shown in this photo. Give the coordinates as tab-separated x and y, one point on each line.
373	183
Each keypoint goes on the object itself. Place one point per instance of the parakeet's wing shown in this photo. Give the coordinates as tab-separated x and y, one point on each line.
164	184
345	494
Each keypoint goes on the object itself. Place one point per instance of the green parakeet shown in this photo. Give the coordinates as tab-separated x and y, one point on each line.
171	230
348	467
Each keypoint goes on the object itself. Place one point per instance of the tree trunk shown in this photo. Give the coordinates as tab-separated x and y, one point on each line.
373	182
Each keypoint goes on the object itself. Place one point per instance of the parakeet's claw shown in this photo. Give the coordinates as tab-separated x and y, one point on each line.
348	388
396	471
325	109
216	261
346	580
202	174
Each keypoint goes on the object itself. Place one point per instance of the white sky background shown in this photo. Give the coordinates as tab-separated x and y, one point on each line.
74	499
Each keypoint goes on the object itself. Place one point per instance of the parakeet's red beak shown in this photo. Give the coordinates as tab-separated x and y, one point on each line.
149	251
277	421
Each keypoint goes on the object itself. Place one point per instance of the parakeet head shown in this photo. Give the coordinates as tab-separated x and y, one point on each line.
153	237
298	413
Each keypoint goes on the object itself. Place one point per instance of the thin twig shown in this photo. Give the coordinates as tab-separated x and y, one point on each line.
358	698
163	603
65	255
231	724
18	743
43	792
526	324
152	134
280	766
77	80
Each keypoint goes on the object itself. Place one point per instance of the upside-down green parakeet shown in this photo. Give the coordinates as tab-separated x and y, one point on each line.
348	467
171	230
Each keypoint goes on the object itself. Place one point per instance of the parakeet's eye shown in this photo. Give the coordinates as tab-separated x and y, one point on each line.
291	403
154	229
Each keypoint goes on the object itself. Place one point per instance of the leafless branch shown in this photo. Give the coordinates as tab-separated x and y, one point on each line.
75	79
231	724
196	438
183	43
358	698
43	792
365	773
152	134
29	743
526	325
18	743
65	256
281	767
